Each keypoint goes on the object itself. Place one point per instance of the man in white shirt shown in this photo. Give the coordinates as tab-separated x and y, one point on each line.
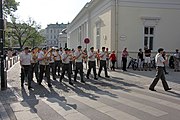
52	64
44	58
66	65
78	55
34	63
160	61
58	61
25	62
103	63
92	63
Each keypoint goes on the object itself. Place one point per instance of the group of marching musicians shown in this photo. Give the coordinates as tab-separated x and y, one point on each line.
49	61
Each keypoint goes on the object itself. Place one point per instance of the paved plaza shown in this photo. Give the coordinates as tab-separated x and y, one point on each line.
123	96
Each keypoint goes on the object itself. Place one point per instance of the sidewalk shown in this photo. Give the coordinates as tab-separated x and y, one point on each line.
17	103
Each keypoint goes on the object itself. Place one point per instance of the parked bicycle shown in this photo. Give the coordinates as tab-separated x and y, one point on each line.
133	63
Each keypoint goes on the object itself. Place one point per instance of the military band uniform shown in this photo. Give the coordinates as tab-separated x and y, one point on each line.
58	62
66	67
25	62
103	63
160	73
34	66
44	68
52	65
79	65
91	64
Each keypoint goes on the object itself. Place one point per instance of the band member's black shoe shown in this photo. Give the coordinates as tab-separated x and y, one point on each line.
87	77
29	88
82	81
107	76
49	85
152	89
96	78
168	89
71	83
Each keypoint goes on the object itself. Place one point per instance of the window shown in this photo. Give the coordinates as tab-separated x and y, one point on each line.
98	35
149	36
51	31
65	45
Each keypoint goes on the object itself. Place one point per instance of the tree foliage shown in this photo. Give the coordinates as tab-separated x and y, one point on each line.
10	6
25	33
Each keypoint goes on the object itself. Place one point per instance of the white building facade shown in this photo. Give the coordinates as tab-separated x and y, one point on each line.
52	32
134	24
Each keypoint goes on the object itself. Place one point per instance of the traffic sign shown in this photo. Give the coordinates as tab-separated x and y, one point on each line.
86	40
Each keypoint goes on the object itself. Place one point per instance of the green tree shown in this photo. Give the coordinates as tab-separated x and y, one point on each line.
10	6
25	33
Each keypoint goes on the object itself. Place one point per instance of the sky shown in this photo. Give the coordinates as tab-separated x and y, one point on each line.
46	12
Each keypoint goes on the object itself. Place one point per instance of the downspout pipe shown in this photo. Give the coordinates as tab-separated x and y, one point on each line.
116	29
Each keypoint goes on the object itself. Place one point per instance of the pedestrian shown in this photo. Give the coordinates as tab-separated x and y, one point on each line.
25	62
140	59
113	59
147	60
124	58
103	56
44	58
78	56
34	63
159	73
66	65
176	61
92	55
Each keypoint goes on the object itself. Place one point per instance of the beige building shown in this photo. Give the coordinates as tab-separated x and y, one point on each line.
52	32
127	23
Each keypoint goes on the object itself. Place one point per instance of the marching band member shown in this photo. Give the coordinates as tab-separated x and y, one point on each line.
58	61
103	63
52	64
78	55
66	65
71	60
34	63
92	63
43	58
25	62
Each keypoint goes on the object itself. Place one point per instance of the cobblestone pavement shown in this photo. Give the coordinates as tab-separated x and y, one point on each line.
124	96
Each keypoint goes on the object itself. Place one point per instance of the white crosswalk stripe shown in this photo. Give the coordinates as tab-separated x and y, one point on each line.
3	113
152	99
66	111
108	110
22	111
138	106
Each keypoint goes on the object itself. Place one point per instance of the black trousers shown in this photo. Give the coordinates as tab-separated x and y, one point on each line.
52	70
113	64
103	65
124	60
26	71
92	65
70	66
66	67
58	65
34	67
44	69
79	67
159	75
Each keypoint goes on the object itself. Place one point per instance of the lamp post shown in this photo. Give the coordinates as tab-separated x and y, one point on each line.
3	80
